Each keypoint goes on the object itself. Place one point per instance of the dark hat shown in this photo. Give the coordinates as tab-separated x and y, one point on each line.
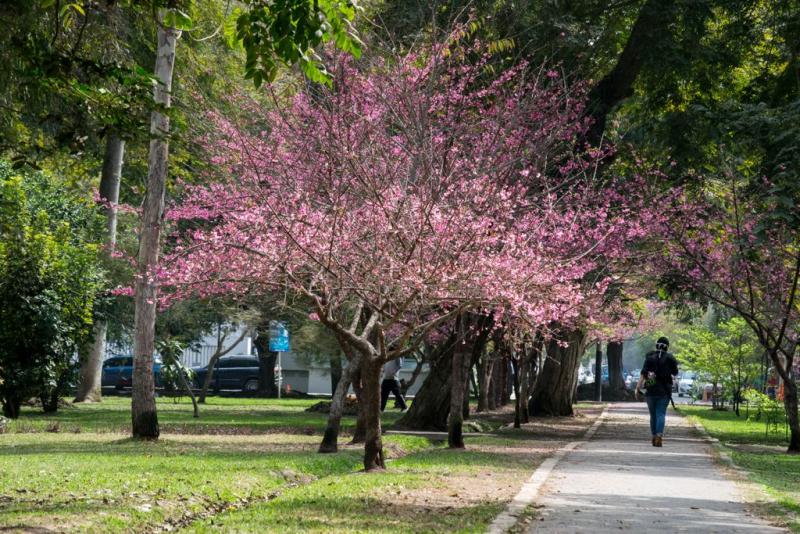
662	343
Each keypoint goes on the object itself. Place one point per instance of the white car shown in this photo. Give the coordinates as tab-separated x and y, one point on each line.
686	383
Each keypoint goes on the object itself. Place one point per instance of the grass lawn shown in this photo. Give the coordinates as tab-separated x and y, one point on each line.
219	415
250	465
769	466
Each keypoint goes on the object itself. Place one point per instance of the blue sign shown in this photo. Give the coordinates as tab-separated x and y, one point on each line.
278	337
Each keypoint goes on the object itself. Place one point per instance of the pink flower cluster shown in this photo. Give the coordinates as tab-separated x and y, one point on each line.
415	188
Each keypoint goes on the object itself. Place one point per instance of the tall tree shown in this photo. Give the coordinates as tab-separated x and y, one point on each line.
89	387
143	405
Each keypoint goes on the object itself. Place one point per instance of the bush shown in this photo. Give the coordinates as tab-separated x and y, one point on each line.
49	275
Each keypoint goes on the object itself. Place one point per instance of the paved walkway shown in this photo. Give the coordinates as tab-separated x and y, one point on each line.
618	482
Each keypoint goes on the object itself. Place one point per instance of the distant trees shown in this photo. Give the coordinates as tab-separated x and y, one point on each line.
49	277
727	354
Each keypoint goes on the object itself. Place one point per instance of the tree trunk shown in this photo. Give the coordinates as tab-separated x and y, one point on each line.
330	440
336	370
266	374
431	404
652	27
11	406
360	431
458	384
144	417
506	381
89	387
616	381
373	445
517	400
91	371
598	373
494	382
188	388
485	367
555	391
790	403
49	401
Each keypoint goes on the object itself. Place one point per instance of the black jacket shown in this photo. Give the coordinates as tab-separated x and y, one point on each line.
665	366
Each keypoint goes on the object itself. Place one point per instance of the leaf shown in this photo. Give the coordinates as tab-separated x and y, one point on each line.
177	19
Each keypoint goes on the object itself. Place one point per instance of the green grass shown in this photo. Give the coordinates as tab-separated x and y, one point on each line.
218	415
725	426
245	465
373	502
777	472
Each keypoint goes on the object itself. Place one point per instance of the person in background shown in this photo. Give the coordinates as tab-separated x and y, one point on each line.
391	384
657	374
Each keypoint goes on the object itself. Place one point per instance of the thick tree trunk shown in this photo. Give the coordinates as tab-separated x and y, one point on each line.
506	381
485	367
91	371
50	402
336	370
330	440
555	392
598	373
652	26
458	385
89	387
790	403
266	367
144	418
11	406
373	445
616	381
431	404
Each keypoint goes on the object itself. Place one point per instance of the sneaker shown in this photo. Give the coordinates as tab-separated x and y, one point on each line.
657	441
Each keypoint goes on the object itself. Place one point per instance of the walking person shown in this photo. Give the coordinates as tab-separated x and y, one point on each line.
657	374
391	384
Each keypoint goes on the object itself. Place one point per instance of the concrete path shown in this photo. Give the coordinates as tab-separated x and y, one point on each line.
618	482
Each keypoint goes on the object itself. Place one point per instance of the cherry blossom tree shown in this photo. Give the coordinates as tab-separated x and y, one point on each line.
733	244
415	190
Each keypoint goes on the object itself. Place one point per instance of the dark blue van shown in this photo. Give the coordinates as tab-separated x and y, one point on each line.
231	373
118	372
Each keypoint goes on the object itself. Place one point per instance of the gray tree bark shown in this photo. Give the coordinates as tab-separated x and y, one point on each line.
555	391
330	440
616	381
458	385
144	417
89	387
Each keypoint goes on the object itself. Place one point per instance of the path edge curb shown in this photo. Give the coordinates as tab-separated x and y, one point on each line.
530	489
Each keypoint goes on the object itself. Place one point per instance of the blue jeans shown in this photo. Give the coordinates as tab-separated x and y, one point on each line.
658	414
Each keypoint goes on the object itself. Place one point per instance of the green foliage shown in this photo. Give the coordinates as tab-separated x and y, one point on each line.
727	355
172	368
48	280
290	31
